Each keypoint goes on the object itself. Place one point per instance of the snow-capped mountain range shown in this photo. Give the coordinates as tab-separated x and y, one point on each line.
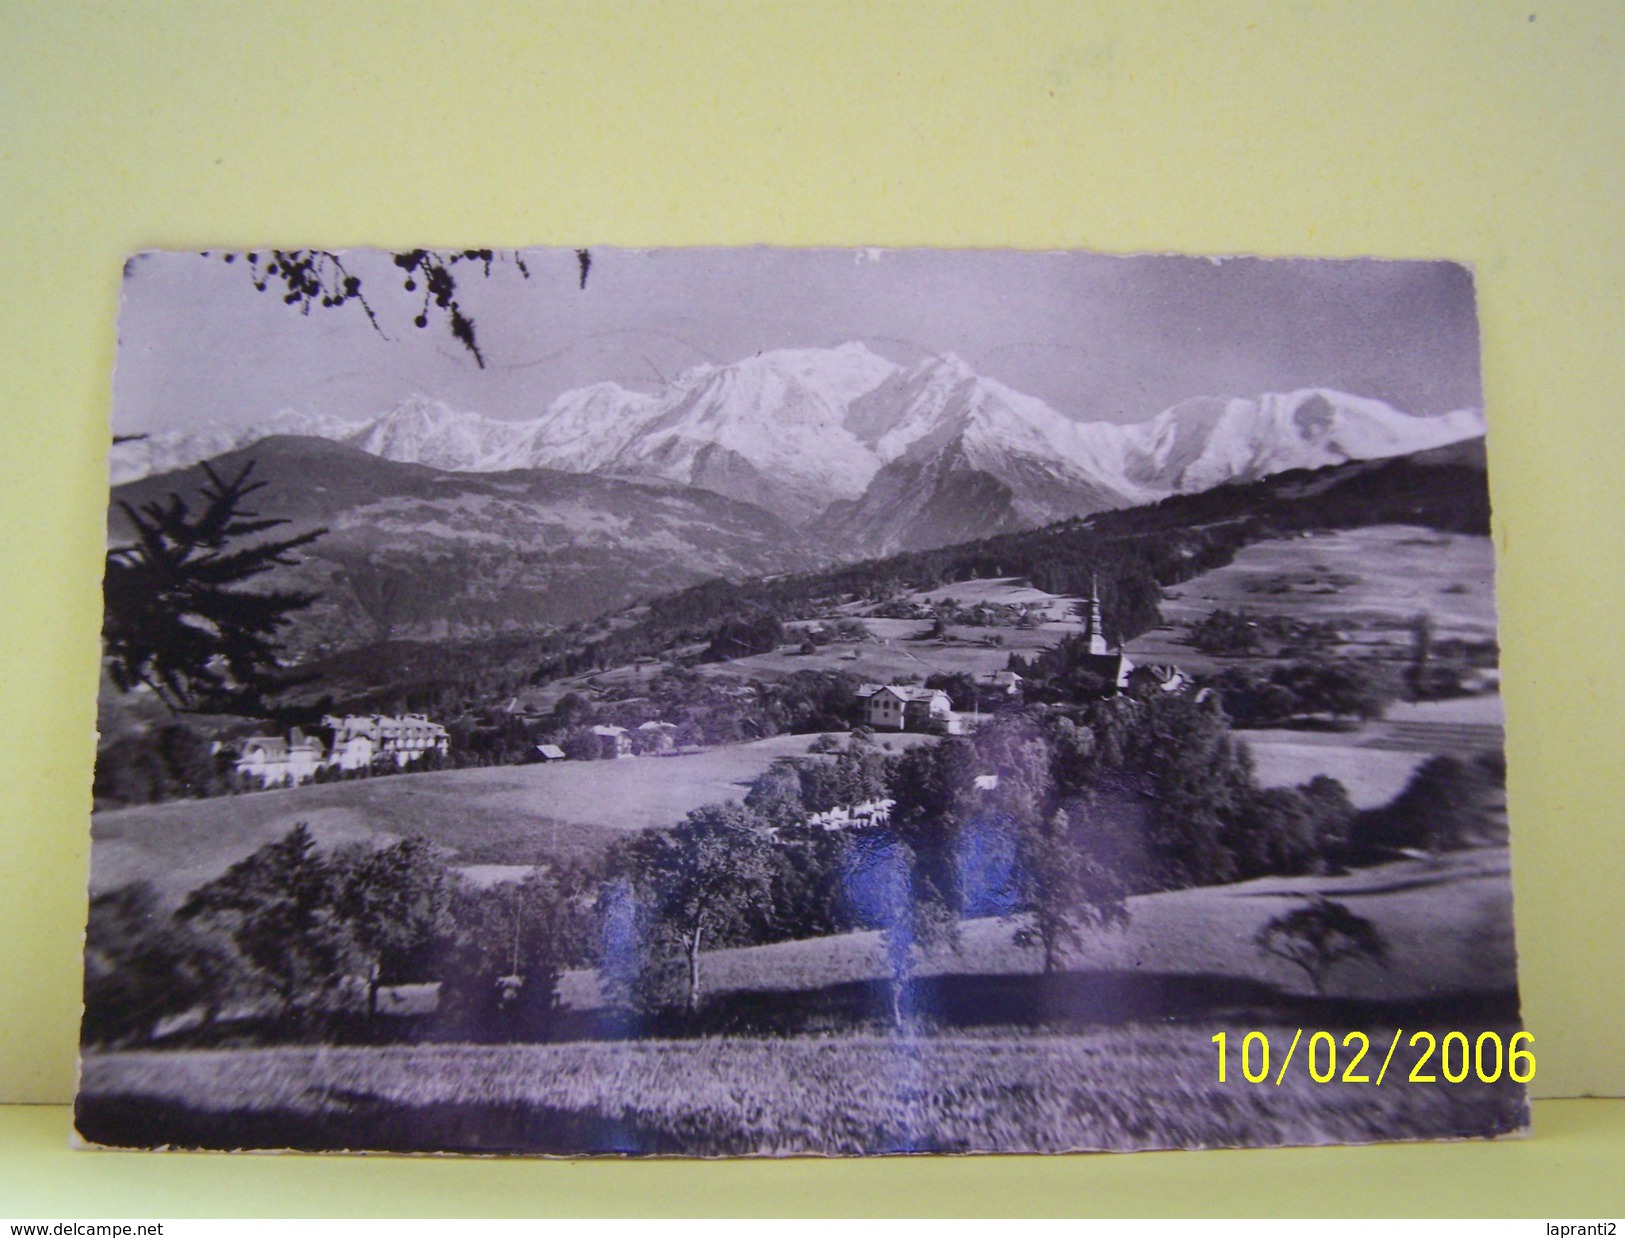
852	446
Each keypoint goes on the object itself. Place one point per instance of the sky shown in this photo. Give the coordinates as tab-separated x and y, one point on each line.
1097	337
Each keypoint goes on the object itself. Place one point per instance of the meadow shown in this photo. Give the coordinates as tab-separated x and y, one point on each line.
1448	922
519	815
897	648
1377	759
1126	1088
1364	580
502	815
901	649
792	1051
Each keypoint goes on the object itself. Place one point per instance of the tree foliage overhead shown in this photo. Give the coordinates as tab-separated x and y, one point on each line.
176	616
319	278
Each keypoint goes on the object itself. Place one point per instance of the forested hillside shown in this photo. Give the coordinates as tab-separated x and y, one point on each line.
1133	553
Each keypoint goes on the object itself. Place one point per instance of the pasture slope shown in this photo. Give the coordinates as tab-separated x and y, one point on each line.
503	815
1370	582
896	648
1118	1057
1447	921
1376	760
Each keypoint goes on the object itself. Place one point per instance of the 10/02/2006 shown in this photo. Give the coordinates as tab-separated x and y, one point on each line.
1460	1057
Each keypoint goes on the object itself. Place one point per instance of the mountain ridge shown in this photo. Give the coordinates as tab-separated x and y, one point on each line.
851	446
411	550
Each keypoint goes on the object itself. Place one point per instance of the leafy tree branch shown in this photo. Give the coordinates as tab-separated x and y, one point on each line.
319	279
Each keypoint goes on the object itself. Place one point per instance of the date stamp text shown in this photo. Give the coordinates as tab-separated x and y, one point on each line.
1454	1057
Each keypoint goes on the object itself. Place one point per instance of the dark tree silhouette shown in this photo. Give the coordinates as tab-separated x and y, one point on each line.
1318	936
319	278
176	618
1448	804
142	965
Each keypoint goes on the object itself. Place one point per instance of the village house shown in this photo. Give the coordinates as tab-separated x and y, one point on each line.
866	815
403	738
1158	677
613	741
549	753
354	752
905	707
656	736
1003	683
275	761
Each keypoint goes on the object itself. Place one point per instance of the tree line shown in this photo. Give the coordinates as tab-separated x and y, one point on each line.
1050	818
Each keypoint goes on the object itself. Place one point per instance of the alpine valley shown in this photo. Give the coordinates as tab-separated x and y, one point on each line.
415	551
444	521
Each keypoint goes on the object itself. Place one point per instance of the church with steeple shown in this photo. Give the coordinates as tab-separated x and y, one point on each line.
1112	666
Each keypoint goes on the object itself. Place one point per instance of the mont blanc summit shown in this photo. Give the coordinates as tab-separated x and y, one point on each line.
846	442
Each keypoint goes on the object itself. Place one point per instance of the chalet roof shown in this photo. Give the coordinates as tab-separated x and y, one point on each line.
911	693
278	747
380	725
551	752
657	725
608	730
1164	677
903	692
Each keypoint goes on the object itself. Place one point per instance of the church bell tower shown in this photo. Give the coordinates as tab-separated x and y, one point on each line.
1095	630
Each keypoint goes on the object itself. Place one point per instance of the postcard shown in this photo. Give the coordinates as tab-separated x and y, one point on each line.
761	702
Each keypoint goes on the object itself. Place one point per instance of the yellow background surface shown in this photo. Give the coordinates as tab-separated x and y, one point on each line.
1486	132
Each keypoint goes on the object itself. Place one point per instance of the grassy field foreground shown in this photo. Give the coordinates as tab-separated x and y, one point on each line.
1127	1088
502	815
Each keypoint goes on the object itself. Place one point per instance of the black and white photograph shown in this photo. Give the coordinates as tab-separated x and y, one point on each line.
776	702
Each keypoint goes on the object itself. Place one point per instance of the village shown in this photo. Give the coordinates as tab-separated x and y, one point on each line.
361	745
568	765
1310	726
939	662
348	745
